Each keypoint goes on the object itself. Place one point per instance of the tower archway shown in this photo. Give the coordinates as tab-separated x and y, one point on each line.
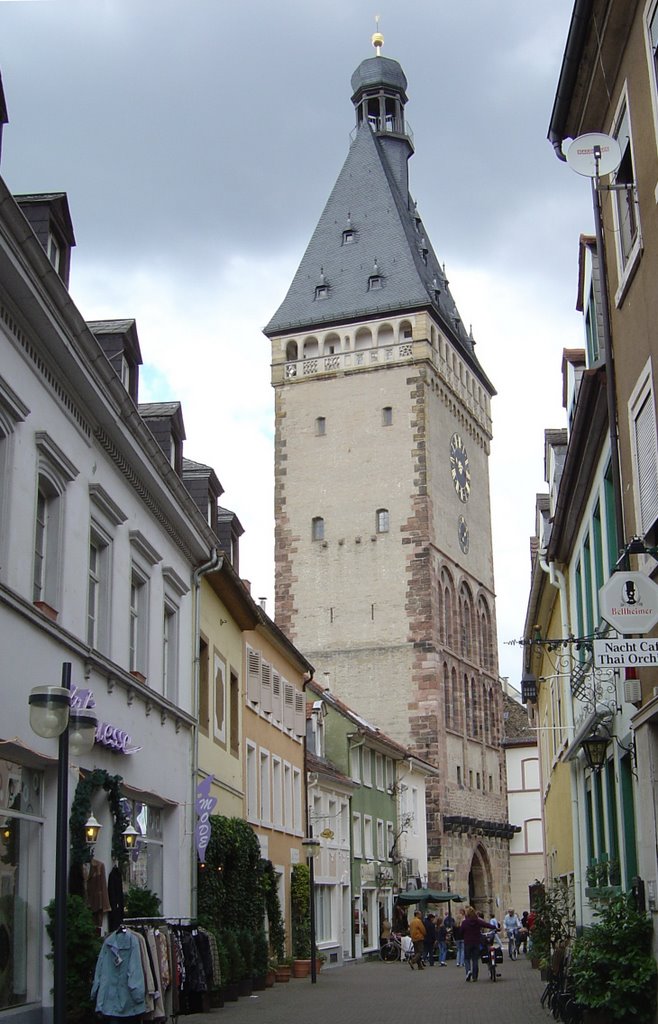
480	882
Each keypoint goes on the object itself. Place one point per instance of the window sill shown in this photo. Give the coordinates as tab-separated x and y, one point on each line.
47	610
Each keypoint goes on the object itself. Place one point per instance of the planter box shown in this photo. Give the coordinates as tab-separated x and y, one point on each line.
282	973
245	987
232	993
270	978
301	968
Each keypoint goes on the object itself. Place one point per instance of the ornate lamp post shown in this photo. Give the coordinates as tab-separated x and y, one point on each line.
51	716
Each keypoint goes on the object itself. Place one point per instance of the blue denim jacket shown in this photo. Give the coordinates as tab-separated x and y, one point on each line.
119	978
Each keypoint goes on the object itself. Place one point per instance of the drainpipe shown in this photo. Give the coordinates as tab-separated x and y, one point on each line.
558	580
215	562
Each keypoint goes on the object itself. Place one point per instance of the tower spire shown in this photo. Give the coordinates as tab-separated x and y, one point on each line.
377	38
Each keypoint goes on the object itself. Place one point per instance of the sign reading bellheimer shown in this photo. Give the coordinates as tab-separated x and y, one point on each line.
629	602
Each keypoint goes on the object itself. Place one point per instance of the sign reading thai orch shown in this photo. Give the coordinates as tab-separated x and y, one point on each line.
629	602
623	652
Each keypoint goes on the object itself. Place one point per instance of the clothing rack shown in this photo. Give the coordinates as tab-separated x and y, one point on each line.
160	920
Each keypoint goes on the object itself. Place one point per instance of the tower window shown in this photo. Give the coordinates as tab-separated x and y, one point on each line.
387	416
320	426
382	519
317	528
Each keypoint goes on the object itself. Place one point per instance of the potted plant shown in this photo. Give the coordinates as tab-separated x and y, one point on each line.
234	967
246	945
283	969
300	911
612	968
270	977
259	965
222	957
141	902
554	924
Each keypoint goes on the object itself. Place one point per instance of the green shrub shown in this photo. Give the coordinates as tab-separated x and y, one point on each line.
141	902
234	961
300	909
612	965
261	955
82	948
274	916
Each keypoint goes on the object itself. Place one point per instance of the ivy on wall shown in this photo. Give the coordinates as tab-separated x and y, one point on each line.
81	809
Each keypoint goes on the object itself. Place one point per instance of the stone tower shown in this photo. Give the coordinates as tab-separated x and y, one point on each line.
384	570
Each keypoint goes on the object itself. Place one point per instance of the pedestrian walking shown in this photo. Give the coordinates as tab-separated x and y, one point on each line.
417	934
459	938
472	927
442	939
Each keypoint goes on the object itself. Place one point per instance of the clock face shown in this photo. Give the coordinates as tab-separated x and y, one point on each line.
462	533
459	468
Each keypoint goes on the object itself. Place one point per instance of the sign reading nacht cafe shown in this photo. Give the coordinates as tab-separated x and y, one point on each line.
624	652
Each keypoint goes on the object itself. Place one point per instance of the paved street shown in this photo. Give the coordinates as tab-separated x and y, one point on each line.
363	992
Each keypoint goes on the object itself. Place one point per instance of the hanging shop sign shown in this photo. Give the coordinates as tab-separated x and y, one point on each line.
623	652
629	602
107	735
204	806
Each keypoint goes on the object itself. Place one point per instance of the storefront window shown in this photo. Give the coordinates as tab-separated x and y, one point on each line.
144	866
20	883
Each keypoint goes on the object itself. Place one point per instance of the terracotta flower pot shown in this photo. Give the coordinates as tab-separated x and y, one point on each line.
270	978
282	973
301	968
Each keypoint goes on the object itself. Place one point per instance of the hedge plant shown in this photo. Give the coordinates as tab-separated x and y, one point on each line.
300	908
82	948
275	923
230	884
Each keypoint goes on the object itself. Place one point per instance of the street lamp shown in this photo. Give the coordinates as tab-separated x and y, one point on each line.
448	871
51	716
312	845
595	748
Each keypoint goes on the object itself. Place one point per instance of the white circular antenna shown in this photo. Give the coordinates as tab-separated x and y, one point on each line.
594	155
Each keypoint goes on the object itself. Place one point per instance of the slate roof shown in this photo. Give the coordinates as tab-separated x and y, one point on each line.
517	730
390	239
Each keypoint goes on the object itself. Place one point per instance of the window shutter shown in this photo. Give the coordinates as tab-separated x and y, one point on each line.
276	697
300	713
265	686
647	468
253	675
288	705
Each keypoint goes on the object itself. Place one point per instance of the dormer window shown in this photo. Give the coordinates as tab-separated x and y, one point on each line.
322	291
349	236
54	251
375	282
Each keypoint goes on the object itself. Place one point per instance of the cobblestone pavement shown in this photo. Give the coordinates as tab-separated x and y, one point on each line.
364	992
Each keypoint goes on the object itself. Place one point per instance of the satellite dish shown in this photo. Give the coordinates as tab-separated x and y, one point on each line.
583	151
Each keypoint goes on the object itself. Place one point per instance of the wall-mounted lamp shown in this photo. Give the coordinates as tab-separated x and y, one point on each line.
595	748
5	831
92	829
130	836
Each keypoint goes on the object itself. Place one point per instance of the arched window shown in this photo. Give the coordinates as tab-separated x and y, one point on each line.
387	416
382	520
457	705
320	426
331	344
291	351
475	719
467	708
317	528
447	697
385	335
310	348
363	339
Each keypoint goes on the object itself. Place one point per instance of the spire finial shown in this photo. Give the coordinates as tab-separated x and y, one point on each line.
377	38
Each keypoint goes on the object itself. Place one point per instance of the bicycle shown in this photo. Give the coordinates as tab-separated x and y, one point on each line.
391	950
512	944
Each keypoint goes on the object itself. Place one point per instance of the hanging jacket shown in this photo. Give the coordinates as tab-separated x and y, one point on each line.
118	986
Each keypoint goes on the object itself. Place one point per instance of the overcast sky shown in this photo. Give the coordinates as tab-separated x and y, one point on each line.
198	141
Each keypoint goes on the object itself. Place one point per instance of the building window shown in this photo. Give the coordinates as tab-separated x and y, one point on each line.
382	520
98	612
277	792
379	771
367	767
54	251
320	426
287	797
645	453
252	782
221	698
355	764
317	528
170	652
367	837
322	291
21	901
55	472
204	695
297	823
145	865
323	913
375	282
624	199
234	723
138	622
357	838
349	236
387	416
390	841
265	791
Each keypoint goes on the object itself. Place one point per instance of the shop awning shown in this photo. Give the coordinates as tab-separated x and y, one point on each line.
429	896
